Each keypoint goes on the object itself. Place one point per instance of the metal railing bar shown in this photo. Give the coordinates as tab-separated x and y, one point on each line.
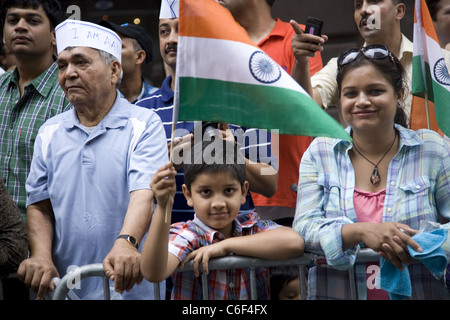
253	291
224	263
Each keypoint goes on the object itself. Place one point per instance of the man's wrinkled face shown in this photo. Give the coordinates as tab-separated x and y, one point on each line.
84	76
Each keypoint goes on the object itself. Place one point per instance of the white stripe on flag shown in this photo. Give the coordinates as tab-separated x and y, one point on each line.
208	51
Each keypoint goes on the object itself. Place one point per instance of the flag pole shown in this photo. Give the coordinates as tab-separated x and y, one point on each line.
427	107
172	138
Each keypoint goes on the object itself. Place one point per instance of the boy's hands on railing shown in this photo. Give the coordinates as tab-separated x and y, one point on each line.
202	256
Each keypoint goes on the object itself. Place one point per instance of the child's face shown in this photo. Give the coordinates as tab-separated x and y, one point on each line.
216	199
290	291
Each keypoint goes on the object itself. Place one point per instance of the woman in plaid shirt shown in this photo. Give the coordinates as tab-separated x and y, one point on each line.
374	191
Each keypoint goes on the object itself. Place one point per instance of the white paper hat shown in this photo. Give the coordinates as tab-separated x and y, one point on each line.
75	33
170	9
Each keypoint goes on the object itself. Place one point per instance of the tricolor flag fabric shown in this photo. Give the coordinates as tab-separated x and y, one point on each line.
222	76
430	78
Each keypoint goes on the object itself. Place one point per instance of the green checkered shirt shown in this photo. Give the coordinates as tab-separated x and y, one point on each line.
20	120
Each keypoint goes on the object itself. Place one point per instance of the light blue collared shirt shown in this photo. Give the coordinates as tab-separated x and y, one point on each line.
88	179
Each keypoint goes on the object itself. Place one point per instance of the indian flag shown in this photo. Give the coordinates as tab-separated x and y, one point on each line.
430	79
222	76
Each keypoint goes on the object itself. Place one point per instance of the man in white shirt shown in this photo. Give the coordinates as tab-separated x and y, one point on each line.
387	31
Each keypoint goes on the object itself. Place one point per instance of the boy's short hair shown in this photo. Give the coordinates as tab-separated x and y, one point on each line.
51	7
213	157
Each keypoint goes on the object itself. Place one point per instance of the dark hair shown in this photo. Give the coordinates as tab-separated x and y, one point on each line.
212	157
270	2
434	6
393	70
51	7
279	277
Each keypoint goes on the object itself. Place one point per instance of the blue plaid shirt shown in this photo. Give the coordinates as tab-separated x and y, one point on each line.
417	190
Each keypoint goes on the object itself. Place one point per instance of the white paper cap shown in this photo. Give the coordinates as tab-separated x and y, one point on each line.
75	33
170	9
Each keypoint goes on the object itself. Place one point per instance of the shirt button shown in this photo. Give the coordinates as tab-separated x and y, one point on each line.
418	187
392	183
389	209
231	285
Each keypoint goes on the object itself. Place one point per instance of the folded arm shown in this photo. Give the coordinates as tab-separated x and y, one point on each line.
276	244
38	270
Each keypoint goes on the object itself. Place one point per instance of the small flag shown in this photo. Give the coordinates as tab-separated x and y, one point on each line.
430	78
222	76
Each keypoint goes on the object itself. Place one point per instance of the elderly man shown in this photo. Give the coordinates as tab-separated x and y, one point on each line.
89	197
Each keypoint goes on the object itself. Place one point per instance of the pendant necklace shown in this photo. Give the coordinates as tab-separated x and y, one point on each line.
375	177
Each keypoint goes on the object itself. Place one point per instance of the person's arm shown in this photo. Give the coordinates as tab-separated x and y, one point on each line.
157	264
304	47
38	270
262	176
13	234
122	264
388	239
276	244
318	215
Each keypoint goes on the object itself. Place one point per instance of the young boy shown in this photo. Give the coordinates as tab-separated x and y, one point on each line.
216	190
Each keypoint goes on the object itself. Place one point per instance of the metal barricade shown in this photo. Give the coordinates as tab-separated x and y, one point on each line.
225	263
64	285
240	262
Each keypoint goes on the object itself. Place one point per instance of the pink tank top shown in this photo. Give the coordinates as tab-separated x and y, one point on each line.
369	208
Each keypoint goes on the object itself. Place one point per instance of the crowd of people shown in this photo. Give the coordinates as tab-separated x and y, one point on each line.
88	175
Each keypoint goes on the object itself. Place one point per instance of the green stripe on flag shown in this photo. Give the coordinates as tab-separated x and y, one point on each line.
255	106
437	94
419	86
442	107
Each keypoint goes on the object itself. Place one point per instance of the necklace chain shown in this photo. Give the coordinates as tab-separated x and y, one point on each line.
375	177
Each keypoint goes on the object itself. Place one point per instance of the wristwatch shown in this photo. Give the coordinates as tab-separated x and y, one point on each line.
131	240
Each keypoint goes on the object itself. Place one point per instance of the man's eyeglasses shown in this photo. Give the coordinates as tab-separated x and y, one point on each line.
375	51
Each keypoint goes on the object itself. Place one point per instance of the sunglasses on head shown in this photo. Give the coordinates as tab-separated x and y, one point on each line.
375	51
